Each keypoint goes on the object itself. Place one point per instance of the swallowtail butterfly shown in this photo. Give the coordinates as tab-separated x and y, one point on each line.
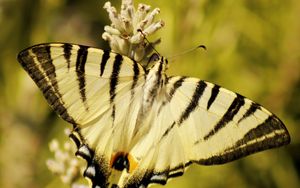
135	127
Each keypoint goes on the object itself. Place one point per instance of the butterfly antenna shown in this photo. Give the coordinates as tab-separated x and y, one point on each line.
142	33
188	51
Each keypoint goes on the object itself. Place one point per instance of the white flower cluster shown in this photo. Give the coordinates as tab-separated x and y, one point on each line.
65	164
128	29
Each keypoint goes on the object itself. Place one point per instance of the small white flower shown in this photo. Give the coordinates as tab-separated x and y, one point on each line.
53	145
55	167
65	164
128	29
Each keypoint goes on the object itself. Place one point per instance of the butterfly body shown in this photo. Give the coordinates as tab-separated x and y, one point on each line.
153	84
134	126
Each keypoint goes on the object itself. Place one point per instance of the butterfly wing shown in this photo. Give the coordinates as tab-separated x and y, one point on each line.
207	124
80	83
97	91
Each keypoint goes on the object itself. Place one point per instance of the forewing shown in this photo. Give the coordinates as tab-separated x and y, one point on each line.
80	83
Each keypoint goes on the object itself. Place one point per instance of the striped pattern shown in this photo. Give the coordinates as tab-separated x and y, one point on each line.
194	101
159	124
80	65
214	93
233	109
114	81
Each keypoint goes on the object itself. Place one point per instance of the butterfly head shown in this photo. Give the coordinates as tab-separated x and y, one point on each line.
157	60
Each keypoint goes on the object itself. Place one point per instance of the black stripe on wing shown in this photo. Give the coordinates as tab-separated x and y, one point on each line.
257	139
233	109
67	53
250	111
214	93
80	72
136	72
43	56
176	85
168	130
49	88
194	101
114	78
271	125
105	58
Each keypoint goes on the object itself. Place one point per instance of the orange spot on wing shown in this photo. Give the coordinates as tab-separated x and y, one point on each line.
133	163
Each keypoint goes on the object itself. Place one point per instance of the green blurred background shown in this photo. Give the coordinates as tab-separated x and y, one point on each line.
253	49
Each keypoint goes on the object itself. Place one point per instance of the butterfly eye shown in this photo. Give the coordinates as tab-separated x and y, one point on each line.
154	57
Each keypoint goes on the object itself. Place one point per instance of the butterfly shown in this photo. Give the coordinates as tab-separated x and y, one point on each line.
136	126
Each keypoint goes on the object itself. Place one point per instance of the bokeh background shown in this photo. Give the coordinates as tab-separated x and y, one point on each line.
253	49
